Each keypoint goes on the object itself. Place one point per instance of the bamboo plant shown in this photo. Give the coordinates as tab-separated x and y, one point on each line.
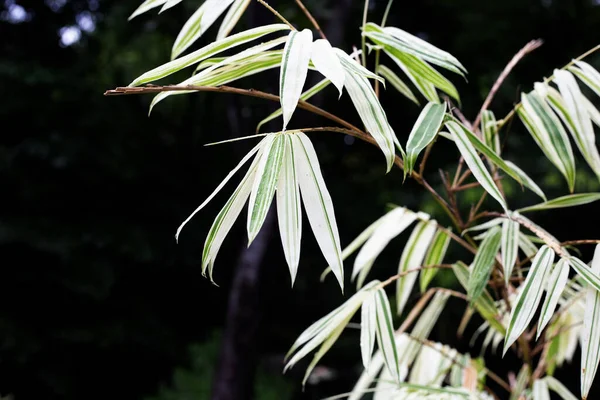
534	296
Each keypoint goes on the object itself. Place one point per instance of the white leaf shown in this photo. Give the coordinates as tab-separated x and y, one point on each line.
169	4
232	17
590	337
145	6
540	390
328	63
368	324
556	284
294	68
556	386
385	334
509	246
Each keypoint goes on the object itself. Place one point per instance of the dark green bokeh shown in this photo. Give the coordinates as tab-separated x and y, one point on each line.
97	300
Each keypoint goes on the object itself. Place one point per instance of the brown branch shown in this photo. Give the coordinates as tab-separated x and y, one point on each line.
528	48
577	242
410	271
274	11
311	18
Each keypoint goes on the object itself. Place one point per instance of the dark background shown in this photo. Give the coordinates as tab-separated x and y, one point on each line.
97	300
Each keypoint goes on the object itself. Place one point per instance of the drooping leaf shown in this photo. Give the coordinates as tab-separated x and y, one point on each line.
474	162
590	276
327	344
423	132
509	246
198	23
483	263
368	325
289	211
412	257
146	6
556	284
318	204
587	74
206	52
549	134
371	113
305	96
391	77
540	390
485	226
294	67
435	256
385	334
327	62
590	337
557	387
529	295
526	180
350	65
232	17
571	200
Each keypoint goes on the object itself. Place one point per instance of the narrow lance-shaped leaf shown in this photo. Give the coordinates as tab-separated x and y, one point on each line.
540	390
368	325
509	246
521	383
526	180
423	132
232	17
146	6
264	185
483	263
391	77
289	210
169	4
474	162
327	62
589	275
588	75
571	200
489	129
590	337
206	52
371	113
385	334
435	256
425	87
349	64
593	112
294	67
318	204
305	96
556	284
529	296
412	257
549	134
198	23
557	387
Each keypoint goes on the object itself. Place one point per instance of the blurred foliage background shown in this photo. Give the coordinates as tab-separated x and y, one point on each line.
97	300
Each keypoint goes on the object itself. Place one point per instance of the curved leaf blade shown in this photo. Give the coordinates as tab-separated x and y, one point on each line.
146	6
556	284
327	62
385	334
590	337
435	256
571	200
391	77
509	247
483	263
294	68
232	17
423	132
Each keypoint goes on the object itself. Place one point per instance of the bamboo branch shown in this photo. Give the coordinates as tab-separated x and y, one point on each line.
274	11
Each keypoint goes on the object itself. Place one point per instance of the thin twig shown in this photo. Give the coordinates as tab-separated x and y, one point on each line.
578	242
471	185
363	43
274	11
410	271
311	18
528	48
425	157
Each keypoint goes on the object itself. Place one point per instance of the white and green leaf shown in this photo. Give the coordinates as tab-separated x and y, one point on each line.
391	77
587	74
423	132
350	65
385	334
540	390
327	62
590	336
556	284
489	130
169	4
571	200
146	6
529	295
526	180
509	246
435	256
557	387
294	68
483	263
232	17
590	276
368	326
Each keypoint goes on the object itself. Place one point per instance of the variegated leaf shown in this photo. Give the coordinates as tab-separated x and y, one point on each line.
391	77
327	62
198	23
423	132
294	67
350	65
289	210
590	337
590	276
412	257
571	200
540	390
587	74
509	247
526	180
556	284
385	334
435	256
318	204
521	383
483	263
368	325
146	6
557	387
489	129
529	295
474	162
232	17
169	4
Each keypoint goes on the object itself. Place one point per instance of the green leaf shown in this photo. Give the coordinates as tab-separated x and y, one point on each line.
509	247
327	62
265	183
549	134
590	337
526	180
206	52
232	17
405	42
423	132
571	200
556	284
474	162
391	77
146	6
582	130
557	387
587	74
483	263
540	390
318	204
294	67
385	334
198	23
529	295
391	225
371	113
289	210
305	96
435	256
368	325
412	257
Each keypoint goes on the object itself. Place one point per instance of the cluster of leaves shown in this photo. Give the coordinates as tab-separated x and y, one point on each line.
512	254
